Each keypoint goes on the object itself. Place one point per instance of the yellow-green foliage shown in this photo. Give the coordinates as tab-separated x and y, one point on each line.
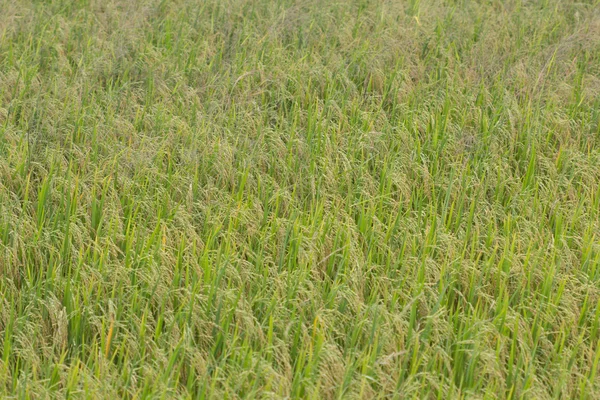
299	199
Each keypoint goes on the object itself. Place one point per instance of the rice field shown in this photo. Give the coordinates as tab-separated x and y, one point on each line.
302	199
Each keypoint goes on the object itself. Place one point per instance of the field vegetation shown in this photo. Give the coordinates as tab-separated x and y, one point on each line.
299	199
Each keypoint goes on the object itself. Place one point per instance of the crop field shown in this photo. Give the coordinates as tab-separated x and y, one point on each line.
304	199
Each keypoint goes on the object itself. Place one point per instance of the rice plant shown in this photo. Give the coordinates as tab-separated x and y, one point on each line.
206	199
